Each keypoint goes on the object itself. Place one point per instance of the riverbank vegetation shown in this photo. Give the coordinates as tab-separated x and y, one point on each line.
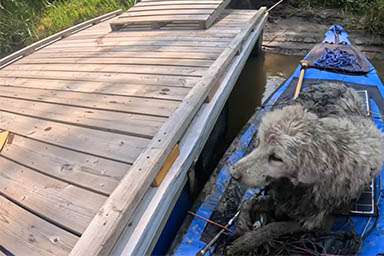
369	12
23	22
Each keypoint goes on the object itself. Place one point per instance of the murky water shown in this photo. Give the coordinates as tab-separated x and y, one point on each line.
249	89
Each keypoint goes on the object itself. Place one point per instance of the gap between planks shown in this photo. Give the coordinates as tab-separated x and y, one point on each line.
162	80
126	54
99	67
85	171
117	147
67	206
23	233
114	122
92	102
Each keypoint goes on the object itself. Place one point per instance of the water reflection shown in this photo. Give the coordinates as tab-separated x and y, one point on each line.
248	91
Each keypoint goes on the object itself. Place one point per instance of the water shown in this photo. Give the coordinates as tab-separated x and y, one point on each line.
247	94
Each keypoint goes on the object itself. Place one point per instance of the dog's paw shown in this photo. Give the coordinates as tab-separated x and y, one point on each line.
243	225
229	251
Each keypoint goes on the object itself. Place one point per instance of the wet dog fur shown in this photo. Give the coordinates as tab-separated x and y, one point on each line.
315	154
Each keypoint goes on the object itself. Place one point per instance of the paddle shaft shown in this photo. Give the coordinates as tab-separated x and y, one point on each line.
304	64
217	236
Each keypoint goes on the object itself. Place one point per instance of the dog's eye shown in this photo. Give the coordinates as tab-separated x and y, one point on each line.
275	158
257	142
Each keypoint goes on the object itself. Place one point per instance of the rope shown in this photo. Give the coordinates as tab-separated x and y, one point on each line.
338	59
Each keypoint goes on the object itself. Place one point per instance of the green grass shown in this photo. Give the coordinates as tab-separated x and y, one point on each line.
370	12
23	22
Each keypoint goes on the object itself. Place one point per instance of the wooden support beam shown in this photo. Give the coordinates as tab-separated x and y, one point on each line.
102	233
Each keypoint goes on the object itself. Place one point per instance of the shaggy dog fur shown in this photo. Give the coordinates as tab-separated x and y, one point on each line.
315	154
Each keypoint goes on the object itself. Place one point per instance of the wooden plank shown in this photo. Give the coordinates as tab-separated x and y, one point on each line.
99	88
168	80
27	50
118	43
213	17
91	103
61	203
182	65
144	35
138	48
164	18
166	166
117	147
180	58
23	233
26	65
157	3
107	225
139	8
167	12
129	124
124	37
82	170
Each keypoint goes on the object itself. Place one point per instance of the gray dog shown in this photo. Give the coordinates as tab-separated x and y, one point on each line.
315	155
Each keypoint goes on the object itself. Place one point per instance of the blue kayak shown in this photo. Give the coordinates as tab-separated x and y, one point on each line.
335	59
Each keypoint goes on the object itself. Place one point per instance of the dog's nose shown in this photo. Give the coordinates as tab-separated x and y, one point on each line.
235	174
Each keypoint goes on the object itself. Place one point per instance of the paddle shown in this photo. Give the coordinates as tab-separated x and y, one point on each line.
304	64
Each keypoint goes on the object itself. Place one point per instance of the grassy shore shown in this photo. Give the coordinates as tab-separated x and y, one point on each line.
23	22
369	12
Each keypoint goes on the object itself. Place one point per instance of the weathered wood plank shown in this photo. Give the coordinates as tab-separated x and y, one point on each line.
156	3
100	66
59	202
139	8
124	37
27	50
145	35
121	43
118	147
86	171
99	88
23	233
179	66
121	23
181	58
129	124
105	228
167	12
148	33
138	48
216	13
93	102
181	81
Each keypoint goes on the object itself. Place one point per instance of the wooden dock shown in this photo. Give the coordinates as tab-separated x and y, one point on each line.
93	115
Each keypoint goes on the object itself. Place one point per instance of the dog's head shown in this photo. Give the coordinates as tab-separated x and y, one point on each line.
282	137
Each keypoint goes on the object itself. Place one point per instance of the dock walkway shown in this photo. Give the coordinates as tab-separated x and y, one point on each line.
92	118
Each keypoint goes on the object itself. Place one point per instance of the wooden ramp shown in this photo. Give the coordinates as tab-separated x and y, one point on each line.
159	13
92	118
